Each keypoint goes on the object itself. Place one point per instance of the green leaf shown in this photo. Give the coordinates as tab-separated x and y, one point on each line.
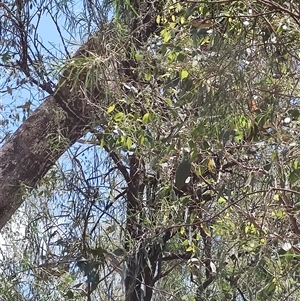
110	109
119	252
294	176
206	144
147	76
221	200
128	143
190	249
158	19
268	290
182	173
183	74
69	294
294	113
146	118
180	57
6	57
98	251
119	116
102	143
141	139
138	56
185	200
166	35
279	213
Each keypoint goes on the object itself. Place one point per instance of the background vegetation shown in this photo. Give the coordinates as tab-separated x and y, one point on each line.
186	184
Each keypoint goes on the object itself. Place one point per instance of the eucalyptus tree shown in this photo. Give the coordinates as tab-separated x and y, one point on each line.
183	183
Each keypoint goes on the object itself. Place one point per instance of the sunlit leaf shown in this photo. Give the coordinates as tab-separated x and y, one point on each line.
146	118
119	116
190	249
147	76
166	35
184	74
128	143
221	200
158	19
138	56
110	109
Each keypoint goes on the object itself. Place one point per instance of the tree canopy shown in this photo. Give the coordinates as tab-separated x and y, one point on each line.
156	155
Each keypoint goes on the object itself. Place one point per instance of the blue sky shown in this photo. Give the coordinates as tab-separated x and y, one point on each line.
47	31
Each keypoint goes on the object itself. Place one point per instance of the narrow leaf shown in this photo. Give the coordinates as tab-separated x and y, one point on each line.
110	109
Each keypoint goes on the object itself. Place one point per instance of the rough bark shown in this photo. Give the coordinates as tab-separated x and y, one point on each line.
58	123
32	150
53	127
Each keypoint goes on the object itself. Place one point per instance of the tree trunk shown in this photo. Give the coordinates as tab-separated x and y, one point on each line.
58	123
52	128
32	150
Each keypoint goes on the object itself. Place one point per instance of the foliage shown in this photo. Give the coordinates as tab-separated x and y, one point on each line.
187	186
